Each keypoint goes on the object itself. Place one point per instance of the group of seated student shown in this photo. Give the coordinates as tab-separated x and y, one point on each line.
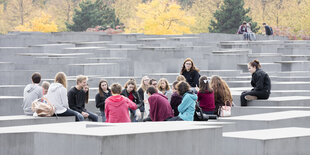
152	101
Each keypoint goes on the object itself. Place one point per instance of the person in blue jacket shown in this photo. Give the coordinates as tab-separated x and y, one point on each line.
187	107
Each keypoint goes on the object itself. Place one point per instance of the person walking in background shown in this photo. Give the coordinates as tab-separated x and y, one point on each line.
116	106
261	84
268	29
32	92
101	96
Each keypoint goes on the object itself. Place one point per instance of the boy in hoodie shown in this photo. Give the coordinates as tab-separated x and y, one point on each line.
160	109
77	96
32	92
116	106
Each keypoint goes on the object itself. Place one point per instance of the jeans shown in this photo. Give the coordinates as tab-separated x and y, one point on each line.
69	112
176	118
93	117
133	115
103	116
259	94
208	112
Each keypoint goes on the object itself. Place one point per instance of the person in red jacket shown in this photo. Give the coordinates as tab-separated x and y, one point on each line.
160	109
116	106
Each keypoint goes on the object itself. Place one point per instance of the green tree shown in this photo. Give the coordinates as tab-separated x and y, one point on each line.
93	14
230	16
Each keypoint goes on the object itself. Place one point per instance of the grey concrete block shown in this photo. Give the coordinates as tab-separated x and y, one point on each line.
291	118
11	105
21	120
284	141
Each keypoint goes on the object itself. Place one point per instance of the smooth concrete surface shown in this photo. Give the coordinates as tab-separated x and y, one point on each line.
103	138
290	118
284	141
21	120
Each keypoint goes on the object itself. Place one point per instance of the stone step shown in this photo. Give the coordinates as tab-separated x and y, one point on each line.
7	66
294	65
295	58
92	44
12	90
282	101
216	61
21	77
11	105
265	57
296	118
269	141
49	48
268	67
103	69
294	51
250	110
275	85
21	120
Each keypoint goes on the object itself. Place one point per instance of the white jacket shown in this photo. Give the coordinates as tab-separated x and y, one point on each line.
57	95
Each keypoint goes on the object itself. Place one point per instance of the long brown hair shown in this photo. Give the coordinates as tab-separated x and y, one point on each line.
131	82
100	89
61	78
204	85
192	68
159	85
221	90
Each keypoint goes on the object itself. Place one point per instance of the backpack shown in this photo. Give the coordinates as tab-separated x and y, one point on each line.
43	108
271	31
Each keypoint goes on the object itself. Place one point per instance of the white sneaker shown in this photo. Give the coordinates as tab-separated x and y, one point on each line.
250	97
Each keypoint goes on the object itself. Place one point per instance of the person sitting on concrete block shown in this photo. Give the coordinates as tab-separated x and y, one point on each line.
164	88
191	73
45	86
130	91
101	96
32	92
142	92
57	95
160	109
187	107
116	106
206	96
176	99
260	81
77	98
222	94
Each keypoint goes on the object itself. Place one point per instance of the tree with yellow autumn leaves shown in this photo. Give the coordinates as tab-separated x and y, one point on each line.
160	17
39	24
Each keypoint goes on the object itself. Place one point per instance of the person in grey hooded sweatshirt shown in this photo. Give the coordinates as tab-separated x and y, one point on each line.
32	92
57	96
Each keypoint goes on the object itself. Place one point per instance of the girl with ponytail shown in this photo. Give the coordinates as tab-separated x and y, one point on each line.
261	84
206	96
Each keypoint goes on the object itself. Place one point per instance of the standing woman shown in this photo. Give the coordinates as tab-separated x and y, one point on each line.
190	72
130	91
57	95
222	93
101	96
260	81
142	91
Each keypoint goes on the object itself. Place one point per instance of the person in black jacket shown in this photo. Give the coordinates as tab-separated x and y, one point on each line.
260	81
101	96
130	92
77	98
190	72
